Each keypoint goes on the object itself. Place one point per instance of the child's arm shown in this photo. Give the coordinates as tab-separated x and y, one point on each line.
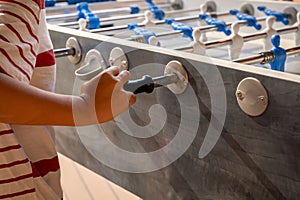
24	104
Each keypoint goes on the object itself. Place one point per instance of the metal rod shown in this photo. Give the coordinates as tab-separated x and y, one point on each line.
264	34
254	36
217	43
123	27
214	28
165	80
107	19
100	13
208	45
250	60
159	22
219	14
167	34
206	29
127	17
172	12
287	30
115	28
266	57
211	27
261	58
186	18
62	7
70	16
65	6
64	52
293	51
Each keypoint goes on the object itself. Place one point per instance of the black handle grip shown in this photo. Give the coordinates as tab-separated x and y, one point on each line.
144	84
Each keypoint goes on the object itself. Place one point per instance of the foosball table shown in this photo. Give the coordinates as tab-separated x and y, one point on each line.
218	95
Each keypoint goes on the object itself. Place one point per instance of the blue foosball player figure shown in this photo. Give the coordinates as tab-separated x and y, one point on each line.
177	26
251	20
158	13
280	17
221	25
280	54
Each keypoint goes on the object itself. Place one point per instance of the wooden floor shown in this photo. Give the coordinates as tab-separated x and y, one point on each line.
81	183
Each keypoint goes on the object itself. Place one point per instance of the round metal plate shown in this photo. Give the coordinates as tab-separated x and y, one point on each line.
73	43
252	97
211	6
118	58
175	67
291	14
93	65
247	8
176	4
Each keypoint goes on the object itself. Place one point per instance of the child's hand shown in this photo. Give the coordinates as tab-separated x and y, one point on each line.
105	97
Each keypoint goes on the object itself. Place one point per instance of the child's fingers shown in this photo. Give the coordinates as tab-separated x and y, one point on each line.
124	76
114	70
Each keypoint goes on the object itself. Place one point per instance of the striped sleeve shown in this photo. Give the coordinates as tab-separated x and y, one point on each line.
29	167
19	42
16	177
45	57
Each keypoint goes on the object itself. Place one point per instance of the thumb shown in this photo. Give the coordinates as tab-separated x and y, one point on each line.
132	98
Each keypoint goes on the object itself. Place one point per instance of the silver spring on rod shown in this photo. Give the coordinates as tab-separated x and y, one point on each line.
268	56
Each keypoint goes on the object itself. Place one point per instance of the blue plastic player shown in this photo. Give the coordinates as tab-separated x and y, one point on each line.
221	25
280	17
280	54
50	3
140	31
85	13
251	20
158	13
134	9
177	26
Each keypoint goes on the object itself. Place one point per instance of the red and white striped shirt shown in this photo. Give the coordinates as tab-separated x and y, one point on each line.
29	167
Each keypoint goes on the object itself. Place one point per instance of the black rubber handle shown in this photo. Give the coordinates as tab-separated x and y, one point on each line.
144	84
